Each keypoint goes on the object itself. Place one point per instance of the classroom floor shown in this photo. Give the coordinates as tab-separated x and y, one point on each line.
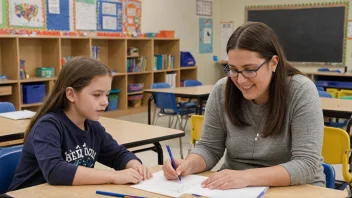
149	158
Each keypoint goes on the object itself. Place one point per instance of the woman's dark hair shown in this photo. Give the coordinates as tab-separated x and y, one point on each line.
260	38
76	73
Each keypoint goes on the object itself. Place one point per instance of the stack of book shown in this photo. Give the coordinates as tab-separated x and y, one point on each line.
164	61
137	64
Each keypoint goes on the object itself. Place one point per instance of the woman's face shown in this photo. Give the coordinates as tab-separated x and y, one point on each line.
254	81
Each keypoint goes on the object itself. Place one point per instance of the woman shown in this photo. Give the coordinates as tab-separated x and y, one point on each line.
267	116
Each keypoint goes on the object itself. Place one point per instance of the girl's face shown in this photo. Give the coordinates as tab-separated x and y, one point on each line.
92	100
254	81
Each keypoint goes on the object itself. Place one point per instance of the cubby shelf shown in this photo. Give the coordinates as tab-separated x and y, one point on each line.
48	51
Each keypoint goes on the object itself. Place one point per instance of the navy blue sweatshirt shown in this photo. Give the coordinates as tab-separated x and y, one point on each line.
56	146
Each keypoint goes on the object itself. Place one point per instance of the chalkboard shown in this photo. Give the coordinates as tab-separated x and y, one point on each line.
307	33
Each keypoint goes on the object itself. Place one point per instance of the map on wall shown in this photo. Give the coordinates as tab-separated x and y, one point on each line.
26	13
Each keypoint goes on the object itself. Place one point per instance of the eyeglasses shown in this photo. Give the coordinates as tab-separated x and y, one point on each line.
248	73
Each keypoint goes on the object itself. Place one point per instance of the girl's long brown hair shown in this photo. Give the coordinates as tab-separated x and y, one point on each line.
260	38
76	73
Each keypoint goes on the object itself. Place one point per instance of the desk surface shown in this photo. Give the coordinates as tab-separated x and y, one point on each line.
191	91
347	74
46	190
129	134
333	104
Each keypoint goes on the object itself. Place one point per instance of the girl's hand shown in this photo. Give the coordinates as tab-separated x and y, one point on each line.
126	176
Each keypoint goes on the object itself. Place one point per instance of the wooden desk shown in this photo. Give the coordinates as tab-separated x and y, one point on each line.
347	74
199	92
128	134
46	190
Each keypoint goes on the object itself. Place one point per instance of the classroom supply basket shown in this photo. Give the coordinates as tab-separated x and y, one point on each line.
113	100
135	100
132	87
33	93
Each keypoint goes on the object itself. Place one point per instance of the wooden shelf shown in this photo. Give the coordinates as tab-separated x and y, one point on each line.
134	93
188	68
37	79
47	51
31	105
119	74
8	82
135	73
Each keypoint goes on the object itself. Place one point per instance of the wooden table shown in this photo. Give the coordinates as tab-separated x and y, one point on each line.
128	134
88	191
338	108
199	92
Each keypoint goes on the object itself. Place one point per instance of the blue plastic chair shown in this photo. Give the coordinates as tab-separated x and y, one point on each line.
324	94
9	157
167	105
320	88
192	83
6	107
330	175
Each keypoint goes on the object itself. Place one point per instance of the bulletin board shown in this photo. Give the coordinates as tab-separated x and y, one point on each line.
85	15
205	35
53	17
58	15
133	15
27	13
110	17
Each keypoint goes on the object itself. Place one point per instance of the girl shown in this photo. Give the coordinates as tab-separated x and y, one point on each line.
64	139
265	113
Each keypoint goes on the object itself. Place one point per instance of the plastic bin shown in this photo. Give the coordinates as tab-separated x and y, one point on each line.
167	33
150	34
135	100
113	100
45	72
132	87
33	93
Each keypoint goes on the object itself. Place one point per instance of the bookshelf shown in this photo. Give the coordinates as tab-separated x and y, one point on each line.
48	51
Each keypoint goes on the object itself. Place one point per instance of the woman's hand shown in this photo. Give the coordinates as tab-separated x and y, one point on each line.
226	179
183	168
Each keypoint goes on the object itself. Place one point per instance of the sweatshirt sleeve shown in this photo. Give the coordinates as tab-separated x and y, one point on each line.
112	154
47	150
307	135
211	146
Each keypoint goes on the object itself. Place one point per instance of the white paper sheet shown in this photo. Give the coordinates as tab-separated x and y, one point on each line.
109	23
54	6
191	185
226	29
207	36
131	12
109	8
86	17
18	115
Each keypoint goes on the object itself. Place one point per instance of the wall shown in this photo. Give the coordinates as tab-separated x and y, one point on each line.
234	10
180	15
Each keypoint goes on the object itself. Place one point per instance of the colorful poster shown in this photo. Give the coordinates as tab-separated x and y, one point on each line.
205	35
132	21
110	17
27	13
86	15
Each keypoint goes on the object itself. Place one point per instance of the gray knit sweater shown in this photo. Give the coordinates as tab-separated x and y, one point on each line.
297	147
